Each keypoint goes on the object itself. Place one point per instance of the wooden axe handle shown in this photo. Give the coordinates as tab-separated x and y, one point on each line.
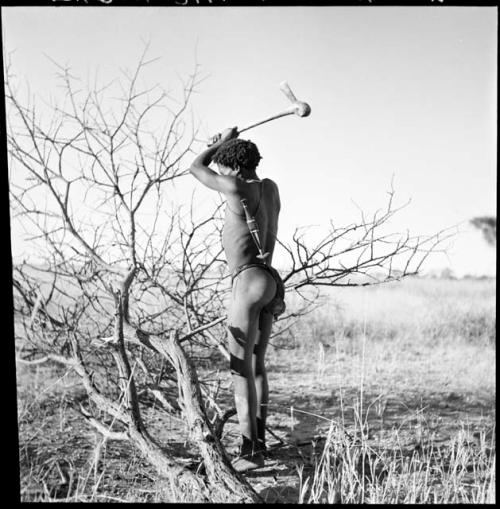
288	111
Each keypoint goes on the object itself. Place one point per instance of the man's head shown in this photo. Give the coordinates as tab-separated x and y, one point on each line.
239	155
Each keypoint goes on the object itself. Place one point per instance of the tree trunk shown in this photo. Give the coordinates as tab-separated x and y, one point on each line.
222	478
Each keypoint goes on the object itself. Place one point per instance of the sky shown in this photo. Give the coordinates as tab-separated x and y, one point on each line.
403	93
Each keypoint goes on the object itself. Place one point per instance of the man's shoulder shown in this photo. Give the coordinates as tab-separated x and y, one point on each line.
270	183
271	191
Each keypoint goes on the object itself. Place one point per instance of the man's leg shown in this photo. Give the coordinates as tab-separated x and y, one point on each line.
251	291
241	339
261	386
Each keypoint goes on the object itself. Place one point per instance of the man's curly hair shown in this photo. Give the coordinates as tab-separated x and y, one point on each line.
236	153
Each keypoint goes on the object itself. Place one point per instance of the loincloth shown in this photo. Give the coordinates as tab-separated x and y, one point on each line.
277	305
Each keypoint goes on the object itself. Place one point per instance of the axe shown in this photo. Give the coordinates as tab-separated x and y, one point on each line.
299	108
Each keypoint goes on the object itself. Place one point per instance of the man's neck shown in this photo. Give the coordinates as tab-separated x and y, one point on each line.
250	178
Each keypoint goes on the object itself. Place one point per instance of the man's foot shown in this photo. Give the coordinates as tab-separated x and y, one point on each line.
248	462
262	447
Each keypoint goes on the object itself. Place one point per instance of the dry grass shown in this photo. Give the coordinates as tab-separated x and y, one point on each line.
386	394
429	311
347	471
407	371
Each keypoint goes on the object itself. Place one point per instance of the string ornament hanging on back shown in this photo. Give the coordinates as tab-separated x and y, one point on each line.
254	231
277	306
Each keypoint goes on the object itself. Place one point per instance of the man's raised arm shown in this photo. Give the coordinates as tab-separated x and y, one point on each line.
199	168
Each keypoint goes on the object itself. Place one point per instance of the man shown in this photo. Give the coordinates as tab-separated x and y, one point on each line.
257	290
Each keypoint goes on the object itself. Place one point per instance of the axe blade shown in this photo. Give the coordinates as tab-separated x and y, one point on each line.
285	88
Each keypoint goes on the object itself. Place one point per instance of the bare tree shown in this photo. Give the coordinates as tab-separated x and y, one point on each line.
126	283
488	226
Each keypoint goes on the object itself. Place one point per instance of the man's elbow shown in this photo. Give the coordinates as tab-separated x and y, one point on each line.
197	171
194	169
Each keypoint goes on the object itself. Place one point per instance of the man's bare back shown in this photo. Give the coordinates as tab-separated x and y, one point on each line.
263	204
